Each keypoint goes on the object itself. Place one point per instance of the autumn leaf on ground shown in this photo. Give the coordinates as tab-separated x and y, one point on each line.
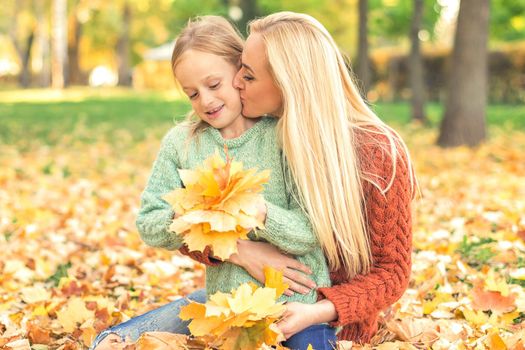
73	314
68	210
489	300
163	341
242	319
218	205
422	331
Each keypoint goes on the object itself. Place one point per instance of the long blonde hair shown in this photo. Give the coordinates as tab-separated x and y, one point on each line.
209	34
322	110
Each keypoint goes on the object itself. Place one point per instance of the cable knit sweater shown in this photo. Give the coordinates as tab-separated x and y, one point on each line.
358	301
286	227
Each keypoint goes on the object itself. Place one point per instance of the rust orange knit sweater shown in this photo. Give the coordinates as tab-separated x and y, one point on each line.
358	301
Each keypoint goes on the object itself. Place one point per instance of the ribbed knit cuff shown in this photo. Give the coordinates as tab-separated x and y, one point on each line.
273	222
338	299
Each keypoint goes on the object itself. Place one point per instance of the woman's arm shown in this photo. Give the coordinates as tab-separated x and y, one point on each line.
389	223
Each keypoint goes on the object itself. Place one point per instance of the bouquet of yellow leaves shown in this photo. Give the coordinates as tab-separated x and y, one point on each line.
242	319
218	205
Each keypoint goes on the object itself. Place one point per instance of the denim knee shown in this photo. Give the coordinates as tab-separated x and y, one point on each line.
319	336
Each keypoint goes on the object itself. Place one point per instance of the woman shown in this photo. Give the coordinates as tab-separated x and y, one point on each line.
353	173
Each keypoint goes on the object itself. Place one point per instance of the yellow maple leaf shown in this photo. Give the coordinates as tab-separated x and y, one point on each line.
218	205
274	279
205	326
224	244
242	319
192	310
496	284
477	318
73	314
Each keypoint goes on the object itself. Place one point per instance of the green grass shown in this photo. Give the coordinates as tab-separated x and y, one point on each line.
49	116
510	117
88	115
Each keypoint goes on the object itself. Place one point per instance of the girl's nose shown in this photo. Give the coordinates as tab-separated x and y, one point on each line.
206	99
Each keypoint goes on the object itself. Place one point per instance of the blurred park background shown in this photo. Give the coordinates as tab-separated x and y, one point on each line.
86	93
402	53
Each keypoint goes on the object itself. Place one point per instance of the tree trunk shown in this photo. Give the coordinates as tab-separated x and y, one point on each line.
417	82
363	64
124	69
249	12
59	44
74	76
464	118
42	41
25	75
23	50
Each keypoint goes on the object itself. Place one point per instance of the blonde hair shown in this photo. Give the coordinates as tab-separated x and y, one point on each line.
209	34
322	109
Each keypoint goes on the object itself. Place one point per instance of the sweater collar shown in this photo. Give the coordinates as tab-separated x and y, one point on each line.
239	141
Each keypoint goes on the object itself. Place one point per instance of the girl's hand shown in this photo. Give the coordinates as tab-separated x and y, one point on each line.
254	256
261	211
299	316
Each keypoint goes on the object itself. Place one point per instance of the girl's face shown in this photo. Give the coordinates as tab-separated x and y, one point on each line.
259	94
207	80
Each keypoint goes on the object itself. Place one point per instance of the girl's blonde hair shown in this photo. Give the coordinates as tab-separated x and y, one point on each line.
322	109
209	34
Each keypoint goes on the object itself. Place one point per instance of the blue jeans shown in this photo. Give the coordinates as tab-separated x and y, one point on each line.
165	319
320	336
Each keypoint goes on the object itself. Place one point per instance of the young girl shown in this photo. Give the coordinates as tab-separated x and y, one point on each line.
205	60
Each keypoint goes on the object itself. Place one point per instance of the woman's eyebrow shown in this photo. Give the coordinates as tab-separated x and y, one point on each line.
247	67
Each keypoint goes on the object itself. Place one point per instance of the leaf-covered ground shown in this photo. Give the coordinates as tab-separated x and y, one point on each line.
72	262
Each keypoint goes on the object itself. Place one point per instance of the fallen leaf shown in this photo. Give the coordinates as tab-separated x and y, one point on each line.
494	301
73	314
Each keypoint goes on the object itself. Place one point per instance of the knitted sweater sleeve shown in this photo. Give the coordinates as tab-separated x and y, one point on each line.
288	229
389	223
155	214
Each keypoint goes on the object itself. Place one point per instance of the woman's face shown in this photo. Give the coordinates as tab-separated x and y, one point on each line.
259	94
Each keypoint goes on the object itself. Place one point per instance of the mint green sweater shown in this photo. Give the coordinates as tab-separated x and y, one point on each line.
286	226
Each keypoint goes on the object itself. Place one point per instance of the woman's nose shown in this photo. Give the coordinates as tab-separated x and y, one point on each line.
238	83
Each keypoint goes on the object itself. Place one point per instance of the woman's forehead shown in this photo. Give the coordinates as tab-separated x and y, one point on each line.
254	53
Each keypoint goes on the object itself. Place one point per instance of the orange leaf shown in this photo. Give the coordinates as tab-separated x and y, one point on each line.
494	341
161	341
37	334
490	300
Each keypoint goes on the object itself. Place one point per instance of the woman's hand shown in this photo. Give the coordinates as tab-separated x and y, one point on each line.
299	316
254	256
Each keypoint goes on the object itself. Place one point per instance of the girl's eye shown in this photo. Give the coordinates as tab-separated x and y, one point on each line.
214	86
247	77
192	96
